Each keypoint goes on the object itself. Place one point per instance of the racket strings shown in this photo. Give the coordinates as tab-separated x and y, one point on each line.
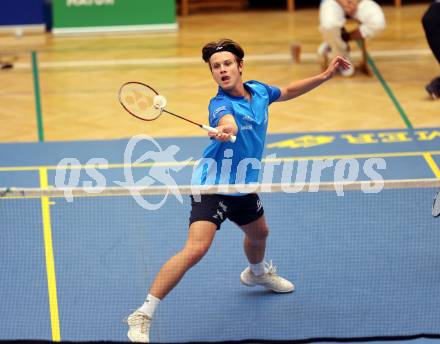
139	101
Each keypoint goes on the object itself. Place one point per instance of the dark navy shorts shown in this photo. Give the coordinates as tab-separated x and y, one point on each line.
241	210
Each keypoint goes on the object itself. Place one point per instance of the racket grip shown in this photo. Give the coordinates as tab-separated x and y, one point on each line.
215	131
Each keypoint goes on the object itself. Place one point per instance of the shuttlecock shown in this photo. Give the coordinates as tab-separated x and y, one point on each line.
159	102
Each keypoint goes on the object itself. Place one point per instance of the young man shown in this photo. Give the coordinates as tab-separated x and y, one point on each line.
332	17
238	109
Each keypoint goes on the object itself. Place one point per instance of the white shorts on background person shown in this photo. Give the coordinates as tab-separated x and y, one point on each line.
332	18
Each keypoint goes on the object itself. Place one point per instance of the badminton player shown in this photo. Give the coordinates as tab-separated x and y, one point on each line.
241	109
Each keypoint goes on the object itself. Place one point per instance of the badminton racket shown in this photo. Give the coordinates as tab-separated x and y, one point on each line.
145	103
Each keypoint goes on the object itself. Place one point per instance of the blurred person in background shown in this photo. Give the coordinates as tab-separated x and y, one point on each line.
431	25
333	15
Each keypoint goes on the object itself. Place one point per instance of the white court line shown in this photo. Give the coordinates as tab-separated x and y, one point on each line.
193	60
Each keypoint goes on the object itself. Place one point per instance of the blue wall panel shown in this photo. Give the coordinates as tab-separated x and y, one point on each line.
21	12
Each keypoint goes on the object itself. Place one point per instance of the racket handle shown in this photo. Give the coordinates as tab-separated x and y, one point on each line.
215	131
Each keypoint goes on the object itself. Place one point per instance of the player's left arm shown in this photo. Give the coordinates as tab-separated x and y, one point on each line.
297	88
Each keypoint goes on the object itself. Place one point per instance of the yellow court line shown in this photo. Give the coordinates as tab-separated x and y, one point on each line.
50	261
190	163
430	161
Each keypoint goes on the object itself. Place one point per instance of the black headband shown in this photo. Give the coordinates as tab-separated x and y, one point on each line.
227	47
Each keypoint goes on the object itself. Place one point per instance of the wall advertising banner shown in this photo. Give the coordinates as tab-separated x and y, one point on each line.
89	16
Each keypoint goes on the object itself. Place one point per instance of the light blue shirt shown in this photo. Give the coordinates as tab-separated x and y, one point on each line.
222	160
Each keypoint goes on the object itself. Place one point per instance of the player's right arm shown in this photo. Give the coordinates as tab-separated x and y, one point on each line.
226	127
221	118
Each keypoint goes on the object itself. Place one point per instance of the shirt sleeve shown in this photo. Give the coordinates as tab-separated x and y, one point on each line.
219	107
273	92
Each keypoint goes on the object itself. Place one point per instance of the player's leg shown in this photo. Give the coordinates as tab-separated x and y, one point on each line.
248	213
200	236
259	272
254	244
431	26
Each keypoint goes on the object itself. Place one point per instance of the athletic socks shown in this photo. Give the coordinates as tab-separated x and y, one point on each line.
258	269
149	306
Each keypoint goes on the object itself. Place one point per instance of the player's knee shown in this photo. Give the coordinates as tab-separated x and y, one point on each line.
196	252
197	256
261	234
265	232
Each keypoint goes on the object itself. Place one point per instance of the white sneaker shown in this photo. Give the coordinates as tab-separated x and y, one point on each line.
138	327
270	280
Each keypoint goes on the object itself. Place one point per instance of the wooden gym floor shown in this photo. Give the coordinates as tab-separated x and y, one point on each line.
79	77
